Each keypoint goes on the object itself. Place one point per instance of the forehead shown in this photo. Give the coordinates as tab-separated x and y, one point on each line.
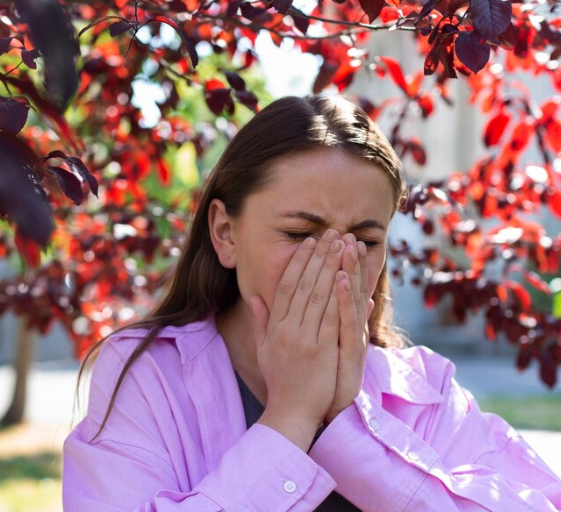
328	182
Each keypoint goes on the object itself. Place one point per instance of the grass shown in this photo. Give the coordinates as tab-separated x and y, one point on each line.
30	469
529	412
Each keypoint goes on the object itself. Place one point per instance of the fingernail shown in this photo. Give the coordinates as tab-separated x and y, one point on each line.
336	246
352	254
330	235
340	275
309	243
361	248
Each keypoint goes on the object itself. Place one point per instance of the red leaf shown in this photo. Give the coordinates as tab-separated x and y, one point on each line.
521	294
426	104
431	60
164	173
28	249
495	128
491	17
418	151
395	72
13	114
388	14
446	54
548	369
522	134
554	202
553	135
472	50
372	8
537	282
524	357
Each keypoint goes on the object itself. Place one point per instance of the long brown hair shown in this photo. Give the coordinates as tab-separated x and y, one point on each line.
200	284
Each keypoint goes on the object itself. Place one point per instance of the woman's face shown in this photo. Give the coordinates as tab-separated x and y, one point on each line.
309	193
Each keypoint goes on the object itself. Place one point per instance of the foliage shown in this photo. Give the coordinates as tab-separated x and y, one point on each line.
70	126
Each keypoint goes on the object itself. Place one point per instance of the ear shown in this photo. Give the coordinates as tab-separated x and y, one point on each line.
220	226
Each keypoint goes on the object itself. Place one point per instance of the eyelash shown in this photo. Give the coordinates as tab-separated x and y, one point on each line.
370	244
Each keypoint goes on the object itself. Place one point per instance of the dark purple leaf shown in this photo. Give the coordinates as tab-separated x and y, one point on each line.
472	50
282	6
427	8
5	44
372	8
29	56
13	115
302	22
218	99
235	80
54	36
247	98
184	37
69	184
120	27
77	167
251	12
548	369
233	7
19	199
491	17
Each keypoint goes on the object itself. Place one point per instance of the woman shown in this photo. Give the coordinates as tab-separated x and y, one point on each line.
270	377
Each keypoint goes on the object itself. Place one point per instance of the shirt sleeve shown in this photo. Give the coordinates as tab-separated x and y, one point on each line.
129	466
459	460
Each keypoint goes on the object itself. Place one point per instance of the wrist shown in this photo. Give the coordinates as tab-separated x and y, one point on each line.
299	430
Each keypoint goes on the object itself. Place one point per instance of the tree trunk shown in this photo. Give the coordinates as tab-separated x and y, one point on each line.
25	351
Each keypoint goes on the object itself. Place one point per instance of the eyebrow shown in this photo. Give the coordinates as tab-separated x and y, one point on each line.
320	221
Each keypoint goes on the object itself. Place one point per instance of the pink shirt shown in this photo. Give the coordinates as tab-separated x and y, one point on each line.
413	441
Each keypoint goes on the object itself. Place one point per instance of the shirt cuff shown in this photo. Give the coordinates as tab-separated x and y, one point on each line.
359	450
265	471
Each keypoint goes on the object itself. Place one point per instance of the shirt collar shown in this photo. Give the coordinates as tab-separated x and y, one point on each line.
392	372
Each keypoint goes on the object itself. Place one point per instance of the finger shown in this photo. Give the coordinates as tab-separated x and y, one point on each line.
308	279
316	306
259	319
352	267
290	279
364	272
348	331
330	324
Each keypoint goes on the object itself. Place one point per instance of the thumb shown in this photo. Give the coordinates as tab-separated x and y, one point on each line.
369	308
259	319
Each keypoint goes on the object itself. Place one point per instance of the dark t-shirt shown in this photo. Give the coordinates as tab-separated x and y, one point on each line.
253	411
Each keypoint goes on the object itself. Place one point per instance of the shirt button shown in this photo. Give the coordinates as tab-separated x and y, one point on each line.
289	486
374	424
413	455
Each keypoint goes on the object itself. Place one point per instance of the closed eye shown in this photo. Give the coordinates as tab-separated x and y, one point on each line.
302	235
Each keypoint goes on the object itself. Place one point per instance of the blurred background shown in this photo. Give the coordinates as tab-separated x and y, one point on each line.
38	372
